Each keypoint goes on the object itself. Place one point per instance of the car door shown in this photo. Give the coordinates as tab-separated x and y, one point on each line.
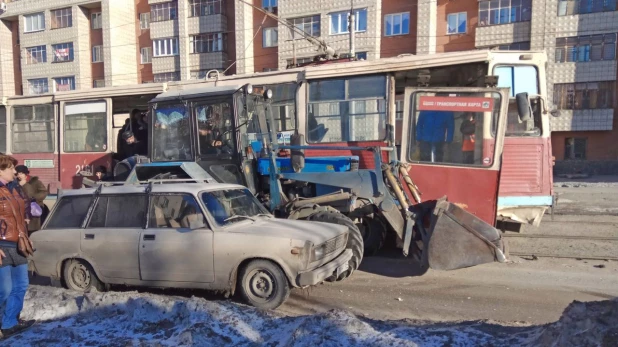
177	245
453	140
111	237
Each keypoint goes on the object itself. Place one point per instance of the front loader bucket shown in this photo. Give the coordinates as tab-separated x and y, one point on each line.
458	239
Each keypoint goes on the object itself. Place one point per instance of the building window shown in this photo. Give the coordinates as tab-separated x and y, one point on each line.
63	84
397	24
201	74
33	129
165	47
37	86
146	55
97	20
300	61
62	18
268	4
270	37
98	83
399	109
339	21
2	129
144	20
571	7
586	48
358	55
516	46
166	77
164	11
269	69
205	7
97	54
310	25
456	23
36	55
34	22
63	52
207	43
575	148
495	12
585	95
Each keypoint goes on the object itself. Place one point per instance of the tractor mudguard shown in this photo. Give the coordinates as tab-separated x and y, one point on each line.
458	239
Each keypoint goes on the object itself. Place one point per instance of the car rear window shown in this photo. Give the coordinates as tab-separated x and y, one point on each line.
70	212
119	211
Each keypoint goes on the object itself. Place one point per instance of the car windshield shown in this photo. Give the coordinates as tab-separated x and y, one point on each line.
233	205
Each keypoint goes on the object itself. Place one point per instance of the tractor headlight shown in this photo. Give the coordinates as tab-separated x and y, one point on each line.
268	94
249	88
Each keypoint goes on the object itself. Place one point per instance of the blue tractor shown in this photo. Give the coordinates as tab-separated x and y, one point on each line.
227	134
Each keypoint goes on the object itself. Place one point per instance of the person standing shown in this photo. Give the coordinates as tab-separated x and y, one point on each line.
36	192
468	130
13	264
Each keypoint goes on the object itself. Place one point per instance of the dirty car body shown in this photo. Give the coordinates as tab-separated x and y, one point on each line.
183	235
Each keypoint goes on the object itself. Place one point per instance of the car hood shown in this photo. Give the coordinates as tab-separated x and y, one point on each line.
315	232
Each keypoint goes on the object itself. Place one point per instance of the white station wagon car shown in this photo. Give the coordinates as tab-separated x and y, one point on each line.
185	235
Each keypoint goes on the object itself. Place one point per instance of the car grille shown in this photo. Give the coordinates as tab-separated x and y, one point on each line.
335	243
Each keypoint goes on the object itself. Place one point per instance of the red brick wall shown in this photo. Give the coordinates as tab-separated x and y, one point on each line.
16	58
263	57
392	46
144	71
96	39
456	42
231	39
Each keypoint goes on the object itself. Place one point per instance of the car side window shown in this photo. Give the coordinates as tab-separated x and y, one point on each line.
70	212
175	211
119	211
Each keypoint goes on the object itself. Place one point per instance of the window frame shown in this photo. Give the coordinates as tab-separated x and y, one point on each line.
343	18
563	7
68	79
458	18
485	8
96	17
306	20
3	129
567	95
37	50
85	218
112	195
401	16
168	11
208	40
98	48
70	56
171	41
61	16
264	35
144	20
31	16
198	205
266	2
196	7
94	83
176	74
51	121
572	155
581	49
38	79
67	121
149	55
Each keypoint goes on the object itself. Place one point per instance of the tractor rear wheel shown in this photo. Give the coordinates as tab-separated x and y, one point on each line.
355	239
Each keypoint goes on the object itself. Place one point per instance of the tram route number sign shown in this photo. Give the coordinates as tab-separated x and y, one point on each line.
39	163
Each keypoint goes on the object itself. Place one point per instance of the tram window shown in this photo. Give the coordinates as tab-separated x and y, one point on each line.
453	129
85	127
521	79
2	129
172	133
351	109
33	129
215	129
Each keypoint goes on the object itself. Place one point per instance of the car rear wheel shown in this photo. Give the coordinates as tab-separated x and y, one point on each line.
263	285
78	275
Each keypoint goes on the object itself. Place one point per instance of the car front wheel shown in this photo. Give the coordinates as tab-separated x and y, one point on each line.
263	284
79	276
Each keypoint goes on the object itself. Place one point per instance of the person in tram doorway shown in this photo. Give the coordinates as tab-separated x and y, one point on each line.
468	130
13	262
102	175
434	129
133	146
35	191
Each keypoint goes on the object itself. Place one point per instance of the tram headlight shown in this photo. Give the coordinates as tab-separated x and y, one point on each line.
268	94
249	89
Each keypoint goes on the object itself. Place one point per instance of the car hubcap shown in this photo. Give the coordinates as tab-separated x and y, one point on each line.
261	285
80	276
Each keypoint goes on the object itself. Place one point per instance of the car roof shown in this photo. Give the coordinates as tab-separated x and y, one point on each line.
188	187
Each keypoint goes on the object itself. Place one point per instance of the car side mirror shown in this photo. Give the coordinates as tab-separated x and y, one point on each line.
523	107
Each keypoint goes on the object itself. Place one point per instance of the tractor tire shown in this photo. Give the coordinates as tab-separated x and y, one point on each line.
374	232
355	239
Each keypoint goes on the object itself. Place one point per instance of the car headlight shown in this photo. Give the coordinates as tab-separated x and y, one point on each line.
318	252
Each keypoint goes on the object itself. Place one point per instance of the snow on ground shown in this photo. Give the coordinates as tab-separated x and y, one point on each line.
141	319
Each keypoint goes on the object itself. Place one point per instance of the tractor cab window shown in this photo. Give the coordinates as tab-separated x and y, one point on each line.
521	79
453	128
215	129
172	133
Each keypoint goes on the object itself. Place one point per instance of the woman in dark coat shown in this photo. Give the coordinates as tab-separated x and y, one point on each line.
35	190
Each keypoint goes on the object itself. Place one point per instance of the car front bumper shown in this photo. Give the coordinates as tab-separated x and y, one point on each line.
334	267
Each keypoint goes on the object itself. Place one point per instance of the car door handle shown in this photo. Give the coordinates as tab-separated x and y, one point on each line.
89	237
149	237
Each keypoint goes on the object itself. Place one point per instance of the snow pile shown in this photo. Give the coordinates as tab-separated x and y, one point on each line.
584	324
137	319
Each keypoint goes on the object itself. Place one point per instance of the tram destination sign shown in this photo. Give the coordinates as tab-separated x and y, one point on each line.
39	163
